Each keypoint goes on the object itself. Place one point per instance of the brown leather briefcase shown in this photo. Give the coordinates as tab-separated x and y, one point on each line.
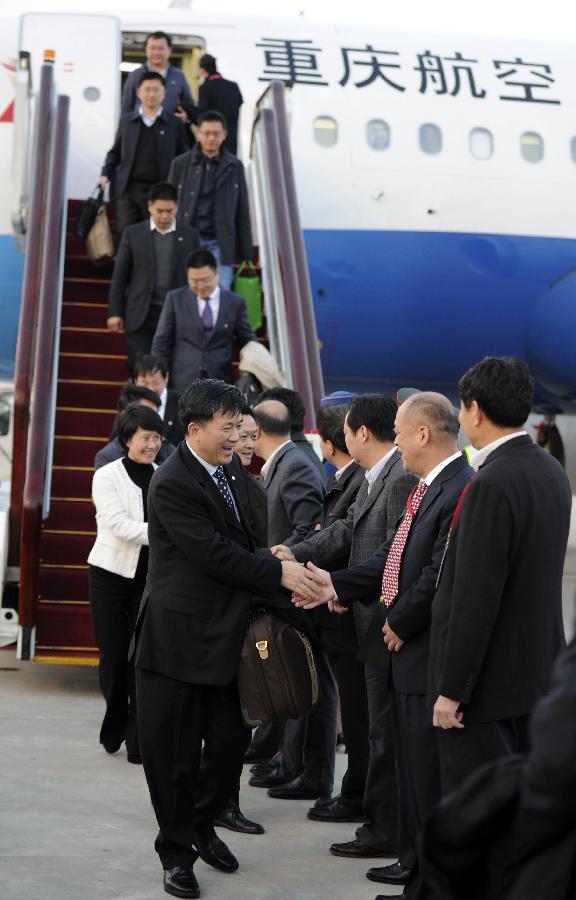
277	678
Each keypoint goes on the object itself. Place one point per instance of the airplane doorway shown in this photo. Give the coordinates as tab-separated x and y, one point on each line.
186	52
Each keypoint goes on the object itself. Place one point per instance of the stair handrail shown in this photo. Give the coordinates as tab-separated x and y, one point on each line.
23	366
289	310
35	504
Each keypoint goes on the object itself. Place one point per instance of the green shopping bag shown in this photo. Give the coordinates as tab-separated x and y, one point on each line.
247	284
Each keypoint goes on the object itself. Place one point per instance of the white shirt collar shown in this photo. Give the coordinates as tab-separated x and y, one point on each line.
373	473
163	399
266	467
154	227
480	456
437	469
339	472
149	120
208	466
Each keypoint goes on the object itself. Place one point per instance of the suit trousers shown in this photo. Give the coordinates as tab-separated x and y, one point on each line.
309	746
351	682
381	795
114	603
174	718
139	343
132	206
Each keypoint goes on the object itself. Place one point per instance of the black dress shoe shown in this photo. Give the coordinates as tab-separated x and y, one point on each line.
297	789
111	746
181	882
394	874
338	809
390	897
215	852
267	780
232	818
359	850
256	756
264	768
134	758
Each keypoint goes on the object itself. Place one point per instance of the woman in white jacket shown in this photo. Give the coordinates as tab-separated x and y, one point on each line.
118	566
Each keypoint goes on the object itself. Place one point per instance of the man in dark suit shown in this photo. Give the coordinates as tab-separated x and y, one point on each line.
295	405
294	490
217	93
131	395
150	372
369	431
497	614
403	575
203	572
178	100
199	324
150	262
146	142
213	197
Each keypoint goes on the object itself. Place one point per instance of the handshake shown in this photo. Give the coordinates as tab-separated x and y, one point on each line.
310	585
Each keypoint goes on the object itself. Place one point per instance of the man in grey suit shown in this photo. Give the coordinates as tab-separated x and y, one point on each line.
199	324
294	489
369	433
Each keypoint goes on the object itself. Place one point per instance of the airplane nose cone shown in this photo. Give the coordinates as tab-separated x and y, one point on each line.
551	338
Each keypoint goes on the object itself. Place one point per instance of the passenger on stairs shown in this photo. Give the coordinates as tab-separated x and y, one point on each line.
178	100
149	372
131	395
146	142
150	262
118	566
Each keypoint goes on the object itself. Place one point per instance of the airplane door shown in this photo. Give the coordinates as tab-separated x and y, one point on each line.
87	66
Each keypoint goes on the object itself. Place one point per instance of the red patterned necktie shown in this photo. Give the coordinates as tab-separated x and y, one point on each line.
394	560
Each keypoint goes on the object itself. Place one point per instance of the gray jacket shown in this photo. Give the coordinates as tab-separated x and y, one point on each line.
295	495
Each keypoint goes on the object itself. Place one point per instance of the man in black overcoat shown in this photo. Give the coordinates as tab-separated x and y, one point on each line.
204	570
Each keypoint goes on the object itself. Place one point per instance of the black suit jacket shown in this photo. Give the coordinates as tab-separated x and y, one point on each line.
171	141
181	343
134	273
203	571
224	96
410	614
172	429
497	614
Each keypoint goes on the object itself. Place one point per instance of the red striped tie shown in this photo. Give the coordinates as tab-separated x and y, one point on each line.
394	560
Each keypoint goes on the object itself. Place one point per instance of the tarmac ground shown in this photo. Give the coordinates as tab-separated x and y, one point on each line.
76	822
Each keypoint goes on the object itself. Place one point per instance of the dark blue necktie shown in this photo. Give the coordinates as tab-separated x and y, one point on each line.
222	485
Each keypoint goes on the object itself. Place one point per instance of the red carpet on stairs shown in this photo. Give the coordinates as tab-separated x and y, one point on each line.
91	370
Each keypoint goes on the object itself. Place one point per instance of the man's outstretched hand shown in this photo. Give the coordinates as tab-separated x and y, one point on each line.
298	580
319	589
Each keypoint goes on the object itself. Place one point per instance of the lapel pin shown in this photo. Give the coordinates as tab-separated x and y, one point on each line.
162	132
233	477
225	324
180	238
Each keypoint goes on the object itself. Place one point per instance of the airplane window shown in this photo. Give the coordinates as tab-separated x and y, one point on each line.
378	134
573	149
481	143
430	138
325	131
532	147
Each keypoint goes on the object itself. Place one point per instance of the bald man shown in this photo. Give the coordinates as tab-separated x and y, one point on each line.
294	487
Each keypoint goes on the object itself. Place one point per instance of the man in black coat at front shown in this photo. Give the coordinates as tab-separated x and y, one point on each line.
204	570
199	326
151	261
497	614
146	142
213	197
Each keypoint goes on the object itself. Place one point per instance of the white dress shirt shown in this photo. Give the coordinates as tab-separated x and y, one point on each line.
163	399
149	120
212	471
373	473
154	227
267	465
437	469
339	472
480	456
214	301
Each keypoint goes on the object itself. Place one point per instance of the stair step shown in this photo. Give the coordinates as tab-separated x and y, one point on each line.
72	482
92	340
75	657
84	422
60	548
81	267
84	315
73	451
65	626
71	515
88	290
83	392
60	583
86	366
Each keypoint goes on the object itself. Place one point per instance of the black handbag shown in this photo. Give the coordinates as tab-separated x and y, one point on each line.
277	677
88	213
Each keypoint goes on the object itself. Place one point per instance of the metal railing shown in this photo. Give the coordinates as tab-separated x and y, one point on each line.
287	293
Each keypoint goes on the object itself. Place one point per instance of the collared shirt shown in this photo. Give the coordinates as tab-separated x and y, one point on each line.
211	471
266	467
339	472
214	301
373	473
163	399
437	469
154	227
480	456
149	120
